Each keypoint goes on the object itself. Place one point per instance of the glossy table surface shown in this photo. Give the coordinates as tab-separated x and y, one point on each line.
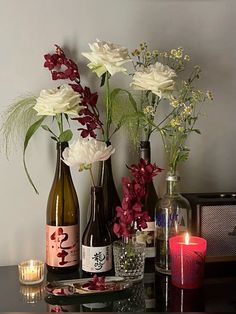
153	294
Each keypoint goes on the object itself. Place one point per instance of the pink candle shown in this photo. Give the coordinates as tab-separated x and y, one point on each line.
187	261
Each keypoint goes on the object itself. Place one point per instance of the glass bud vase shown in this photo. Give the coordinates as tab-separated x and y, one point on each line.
129	258
173	216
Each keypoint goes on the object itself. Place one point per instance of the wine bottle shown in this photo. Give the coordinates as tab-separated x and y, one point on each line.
96	240
110	195
151	198
62	229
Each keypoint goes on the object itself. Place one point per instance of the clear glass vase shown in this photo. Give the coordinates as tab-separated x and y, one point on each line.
129	258
172	217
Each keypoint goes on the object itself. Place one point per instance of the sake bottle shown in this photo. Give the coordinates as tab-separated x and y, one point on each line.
96	240
62	226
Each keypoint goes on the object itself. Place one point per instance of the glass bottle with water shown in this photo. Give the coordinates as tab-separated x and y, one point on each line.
172	217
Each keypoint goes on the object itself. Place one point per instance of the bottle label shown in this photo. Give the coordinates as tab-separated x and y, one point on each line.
147	236
96	259
62	245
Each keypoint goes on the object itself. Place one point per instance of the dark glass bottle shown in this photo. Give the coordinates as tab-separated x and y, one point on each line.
150	204
62	229
110	195
96	240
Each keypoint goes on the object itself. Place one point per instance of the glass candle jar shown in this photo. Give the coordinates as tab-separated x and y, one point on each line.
31	272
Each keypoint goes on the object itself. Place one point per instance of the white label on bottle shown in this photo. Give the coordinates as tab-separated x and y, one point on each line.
96	259
62	245
150	226
147	236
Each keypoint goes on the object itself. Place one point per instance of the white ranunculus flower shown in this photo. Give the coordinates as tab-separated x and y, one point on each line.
86	151
58	100
158	78
106	56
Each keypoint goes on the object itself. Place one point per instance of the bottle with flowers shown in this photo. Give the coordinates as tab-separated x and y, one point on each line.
160	75
28	115
106	60
96	240
129	254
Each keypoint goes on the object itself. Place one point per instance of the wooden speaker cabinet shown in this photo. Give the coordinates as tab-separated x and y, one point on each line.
214	218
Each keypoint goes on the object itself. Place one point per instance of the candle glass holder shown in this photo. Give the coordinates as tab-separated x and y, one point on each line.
187	262
31	272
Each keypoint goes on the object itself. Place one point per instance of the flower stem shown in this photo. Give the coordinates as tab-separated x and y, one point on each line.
108	109
92	177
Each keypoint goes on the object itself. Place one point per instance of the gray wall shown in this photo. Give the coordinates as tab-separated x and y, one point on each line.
29	29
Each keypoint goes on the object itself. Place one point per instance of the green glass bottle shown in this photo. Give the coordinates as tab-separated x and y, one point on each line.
62	226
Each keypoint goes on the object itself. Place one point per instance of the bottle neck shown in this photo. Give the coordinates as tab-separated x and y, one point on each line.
145	150
61	168
172	187
97	210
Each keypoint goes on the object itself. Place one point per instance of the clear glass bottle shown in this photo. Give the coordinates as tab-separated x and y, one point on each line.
148	234
62	228
96	240
173	216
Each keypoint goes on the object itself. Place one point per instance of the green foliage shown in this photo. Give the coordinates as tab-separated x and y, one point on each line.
31	131
16	121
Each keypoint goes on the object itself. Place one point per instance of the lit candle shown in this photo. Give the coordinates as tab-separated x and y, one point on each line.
187	261
31	272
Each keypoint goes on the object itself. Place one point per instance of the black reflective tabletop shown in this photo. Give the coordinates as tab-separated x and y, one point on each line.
153	294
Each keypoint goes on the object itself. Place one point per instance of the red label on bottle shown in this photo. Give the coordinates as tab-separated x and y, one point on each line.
62	245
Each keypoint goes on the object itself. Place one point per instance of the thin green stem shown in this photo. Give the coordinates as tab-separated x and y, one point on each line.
92	177
108	107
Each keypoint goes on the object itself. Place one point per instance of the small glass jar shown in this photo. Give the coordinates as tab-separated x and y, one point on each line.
129	258
172	217
31	272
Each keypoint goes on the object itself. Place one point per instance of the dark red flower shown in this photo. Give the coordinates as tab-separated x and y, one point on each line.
130	216
97	283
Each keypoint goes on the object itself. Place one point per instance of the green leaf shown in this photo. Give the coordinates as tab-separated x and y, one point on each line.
117	91
197	131
65	136
46	128
32	129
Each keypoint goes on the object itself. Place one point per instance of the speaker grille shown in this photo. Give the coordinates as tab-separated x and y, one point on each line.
218	227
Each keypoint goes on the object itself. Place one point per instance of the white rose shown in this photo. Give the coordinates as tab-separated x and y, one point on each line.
106	56
158	78
58	100
86	151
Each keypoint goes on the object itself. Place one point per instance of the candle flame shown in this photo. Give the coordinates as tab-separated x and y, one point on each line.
31	265
186	238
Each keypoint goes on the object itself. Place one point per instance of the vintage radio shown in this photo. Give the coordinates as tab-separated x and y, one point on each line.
214	218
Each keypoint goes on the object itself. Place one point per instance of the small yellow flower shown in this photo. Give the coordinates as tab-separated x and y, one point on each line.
136	52
175	122
187	110
187	57
209	95
181	129
155	53
174	103
149	111
173	52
